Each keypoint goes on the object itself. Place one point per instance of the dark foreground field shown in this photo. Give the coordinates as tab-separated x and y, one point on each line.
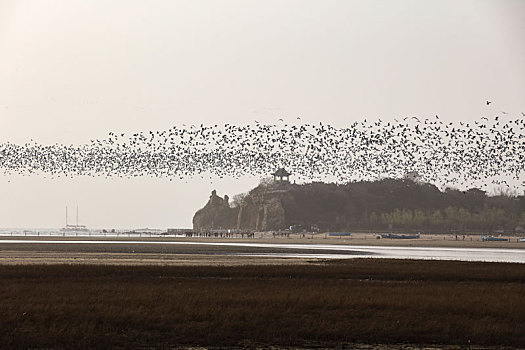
362	301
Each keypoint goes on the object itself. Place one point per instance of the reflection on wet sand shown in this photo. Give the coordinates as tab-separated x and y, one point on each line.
142	250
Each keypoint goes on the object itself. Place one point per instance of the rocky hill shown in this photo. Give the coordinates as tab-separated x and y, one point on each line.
388	204
261	210
217	213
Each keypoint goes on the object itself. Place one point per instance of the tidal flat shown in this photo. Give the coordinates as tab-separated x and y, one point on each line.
363	303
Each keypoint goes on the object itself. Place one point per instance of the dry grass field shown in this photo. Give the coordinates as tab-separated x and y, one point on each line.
328	304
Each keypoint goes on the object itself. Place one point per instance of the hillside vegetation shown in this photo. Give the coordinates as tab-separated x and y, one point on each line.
383	205
402	205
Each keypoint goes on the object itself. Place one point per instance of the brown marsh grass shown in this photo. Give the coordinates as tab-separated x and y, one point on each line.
330	304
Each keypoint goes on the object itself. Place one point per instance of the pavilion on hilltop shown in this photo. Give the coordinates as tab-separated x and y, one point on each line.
281	173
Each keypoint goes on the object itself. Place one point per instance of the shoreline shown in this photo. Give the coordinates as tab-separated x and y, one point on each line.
358	239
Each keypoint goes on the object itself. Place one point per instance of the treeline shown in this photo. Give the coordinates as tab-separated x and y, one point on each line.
450	219
392	204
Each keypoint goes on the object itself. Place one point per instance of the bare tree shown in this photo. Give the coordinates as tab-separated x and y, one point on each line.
238	199
266	181
505	191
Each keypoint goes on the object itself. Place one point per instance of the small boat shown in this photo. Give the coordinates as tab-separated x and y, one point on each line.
74	228
393	236
494	239
339	234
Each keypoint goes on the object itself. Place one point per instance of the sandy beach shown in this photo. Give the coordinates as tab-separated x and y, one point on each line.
373	239
425	240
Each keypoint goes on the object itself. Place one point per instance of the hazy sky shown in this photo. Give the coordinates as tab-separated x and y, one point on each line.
71	71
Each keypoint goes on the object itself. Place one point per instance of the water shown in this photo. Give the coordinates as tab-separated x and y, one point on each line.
323	251
46	232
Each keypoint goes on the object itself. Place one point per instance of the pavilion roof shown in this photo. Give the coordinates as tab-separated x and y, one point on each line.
281	172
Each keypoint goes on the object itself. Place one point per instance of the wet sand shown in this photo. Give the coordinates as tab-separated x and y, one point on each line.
129	253
33	257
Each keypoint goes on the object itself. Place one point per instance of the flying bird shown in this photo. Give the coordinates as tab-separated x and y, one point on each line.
454	153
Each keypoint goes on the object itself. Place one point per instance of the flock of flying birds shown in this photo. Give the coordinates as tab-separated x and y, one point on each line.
469	154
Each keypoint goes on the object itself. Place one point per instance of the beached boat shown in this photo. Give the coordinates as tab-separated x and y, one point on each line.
339	234
494	239
393	236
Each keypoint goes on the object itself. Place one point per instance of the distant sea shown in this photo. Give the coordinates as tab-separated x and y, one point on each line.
58	232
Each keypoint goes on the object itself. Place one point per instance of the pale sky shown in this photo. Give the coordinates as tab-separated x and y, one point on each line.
72	70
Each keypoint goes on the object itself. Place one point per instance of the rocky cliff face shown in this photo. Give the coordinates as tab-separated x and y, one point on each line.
261	210
216	214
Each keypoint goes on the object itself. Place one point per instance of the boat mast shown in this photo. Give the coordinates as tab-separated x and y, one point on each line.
66	215
77	215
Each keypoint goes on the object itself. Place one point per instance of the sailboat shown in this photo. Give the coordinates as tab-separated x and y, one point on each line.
74	228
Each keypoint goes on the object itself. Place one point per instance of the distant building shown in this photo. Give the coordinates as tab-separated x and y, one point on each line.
281	174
